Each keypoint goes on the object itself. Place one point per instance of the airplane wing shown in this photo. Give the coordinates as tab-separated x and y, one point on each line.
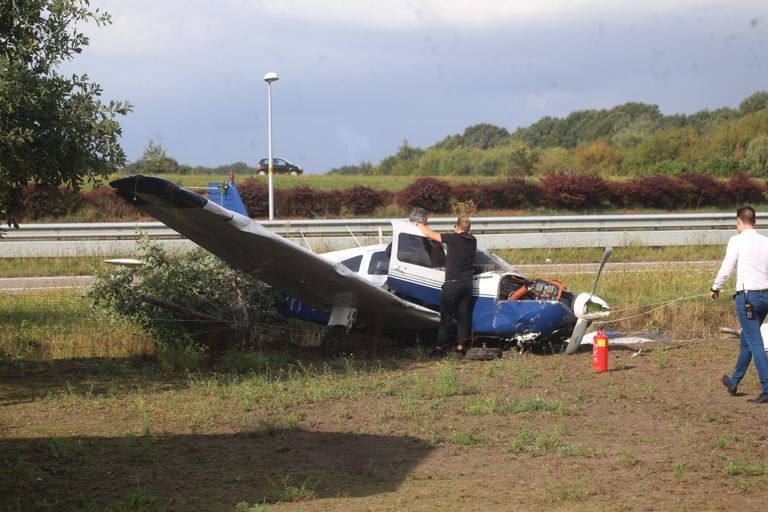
248	246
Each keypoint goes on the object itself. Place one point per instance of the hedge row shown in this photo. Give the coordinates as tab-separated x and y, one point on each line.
566	191
562	191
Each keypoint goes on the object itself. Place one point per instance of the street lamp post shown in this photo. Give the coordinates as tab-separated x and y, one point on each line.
269	78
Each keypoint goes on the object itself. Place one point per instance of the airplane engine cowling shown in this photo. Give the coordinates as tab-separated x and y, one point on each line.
586	307
590	307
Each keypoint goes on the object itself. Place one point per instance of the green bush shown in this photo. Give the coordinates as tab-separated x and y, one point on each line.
196	281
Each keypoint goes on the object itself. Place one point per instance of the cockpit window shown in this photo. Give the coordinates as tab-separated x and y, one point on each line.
419	251
353	264
489	262
379	265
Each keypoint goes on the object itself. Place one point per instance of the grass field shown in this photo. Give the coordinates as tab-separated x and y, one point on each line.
93	422
323	181
33	267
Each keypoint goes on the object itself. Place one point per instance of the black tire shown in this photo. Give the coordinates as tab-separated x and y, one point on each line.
335	341
483	353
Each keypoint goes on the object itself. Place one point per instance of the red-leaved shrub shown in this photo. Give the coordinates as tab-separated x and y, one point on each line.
306	202
255	196
573	191
705	190
657	191
429	193
107	204
512	194
742	189
39	202
361	200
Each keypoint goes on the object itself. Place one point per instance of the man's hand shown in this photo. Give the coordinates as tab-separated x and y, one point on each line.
714	294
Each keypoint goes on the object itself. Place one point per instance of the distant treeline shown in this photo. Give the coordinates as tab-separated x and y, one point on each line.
155	161
633	139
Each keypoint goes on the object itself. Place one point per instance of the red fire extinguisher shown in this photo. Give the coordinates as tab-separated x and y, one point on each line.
600	352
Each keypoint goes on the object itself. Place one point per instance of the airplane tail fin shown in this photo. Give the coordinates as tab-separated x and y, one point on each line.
226	195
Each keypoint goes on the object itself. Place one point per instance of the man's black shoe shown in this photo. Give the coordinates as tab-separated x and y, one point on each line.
728	384
762	399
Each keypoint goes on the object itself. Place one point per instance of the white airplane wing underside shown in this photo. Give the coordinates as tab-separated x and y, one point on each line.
248	246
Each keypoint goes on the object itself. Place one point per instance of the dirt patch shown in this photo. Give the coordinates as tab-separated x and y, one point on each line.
657	432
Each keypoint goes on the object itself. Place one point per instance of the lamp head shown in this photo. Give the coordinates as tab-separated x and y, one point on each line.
271	77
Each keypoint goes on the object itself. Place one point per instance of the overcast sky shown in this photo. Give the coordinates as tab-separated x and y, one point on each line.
358	77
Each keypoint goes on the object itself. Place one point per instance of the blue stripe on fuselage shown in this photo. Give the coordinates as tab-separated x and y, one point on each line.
496	317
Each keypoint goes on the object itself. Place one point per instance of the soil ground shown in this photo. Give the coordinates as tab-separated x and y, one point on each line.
528	432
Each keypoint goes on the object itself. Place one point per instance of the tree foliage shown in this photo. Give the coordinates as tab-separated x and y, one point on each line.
196	280
154	162
54	129
633	139
482	136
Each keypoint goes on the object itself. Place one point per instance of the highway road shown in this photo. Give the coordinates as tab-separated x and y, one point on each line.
19	285
119	238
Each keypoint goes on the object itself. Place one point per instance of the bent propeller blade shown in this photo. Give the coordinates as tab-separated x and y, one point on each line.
606	255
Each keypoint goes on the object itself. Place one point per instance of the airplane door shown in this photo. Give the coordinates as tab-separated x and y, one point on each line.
416	265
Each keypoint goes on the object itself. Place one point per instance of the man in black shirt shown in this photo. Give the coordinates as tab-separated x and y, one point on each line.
456	295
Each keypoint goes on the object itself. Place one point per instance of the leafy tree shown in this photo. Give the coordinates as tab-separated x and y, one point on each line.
155	161
53	129
597	158
553	160
516	158
404	162
662	146
440	161
364	168
585	126
757	101
481	136
484	136
756	157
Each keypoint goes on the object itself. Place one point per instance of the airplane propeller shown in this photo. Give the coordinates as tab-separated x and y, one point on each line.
582	323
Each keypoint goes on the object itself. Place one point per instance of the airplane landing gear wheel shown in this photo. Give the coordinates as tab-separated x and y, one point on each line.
335	341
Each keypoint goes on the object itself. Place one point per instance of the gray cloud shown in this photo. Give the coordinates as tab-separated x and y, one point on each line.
357	78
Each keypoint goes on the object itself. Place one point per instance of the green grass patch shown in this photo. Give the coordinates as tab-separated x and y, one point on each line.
468	438
61	324
324	182
734	469
564	492
534	443
495	404
620	254
43	267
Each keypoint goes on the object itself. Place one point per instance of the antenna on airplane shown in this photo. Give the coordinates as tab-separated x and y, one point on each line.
354	237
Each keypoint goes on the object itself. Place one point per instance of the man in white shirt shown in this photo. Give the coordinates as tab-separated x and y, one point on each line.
747	252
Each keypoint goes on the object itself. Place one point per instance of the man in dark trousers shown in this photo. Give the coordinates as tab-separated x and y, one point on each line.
747	252
456	295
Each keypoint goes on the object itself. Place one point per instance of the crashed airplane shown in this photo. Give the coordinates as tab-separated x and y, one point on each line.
390	289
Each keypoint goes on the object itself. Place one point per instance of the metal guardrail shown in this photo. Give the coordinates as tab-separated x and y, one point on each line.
119	238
